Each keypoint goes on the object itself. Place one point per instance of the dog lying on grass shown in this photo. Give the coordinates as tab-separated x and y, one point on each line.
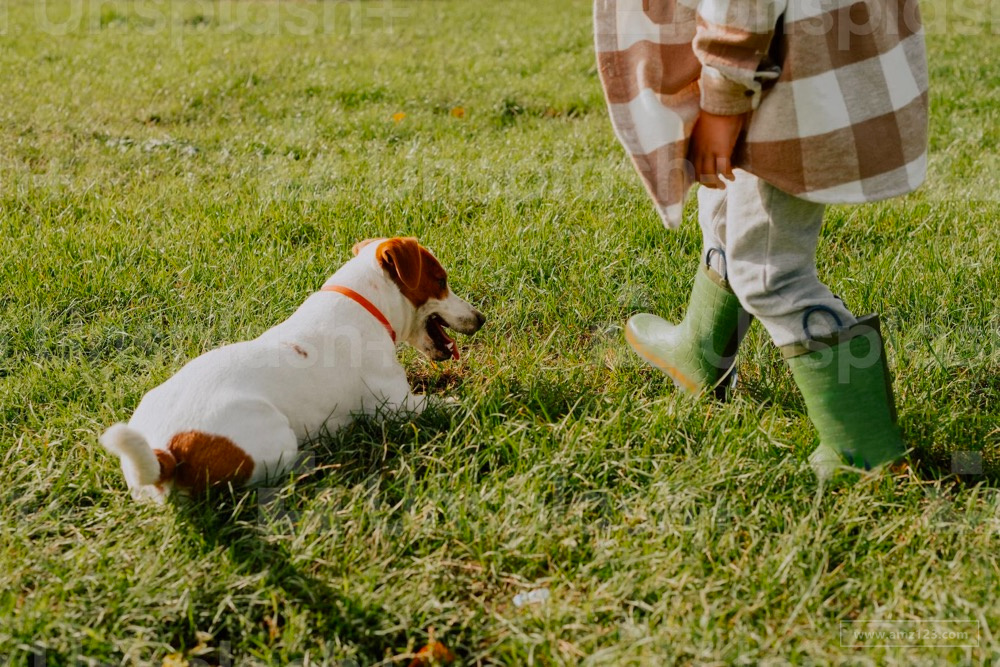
236	415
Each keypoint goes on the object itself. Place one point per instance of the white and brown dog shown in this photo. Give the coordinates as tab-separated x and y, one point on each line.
237	414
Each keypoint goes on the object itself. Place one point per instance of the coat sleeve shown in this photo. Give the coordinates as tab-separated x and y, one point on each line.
732	42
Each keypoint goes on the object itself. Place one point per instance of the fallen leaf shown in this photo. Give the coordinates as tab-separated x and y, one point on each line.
398	116
458	112
273	629
435	653
175	660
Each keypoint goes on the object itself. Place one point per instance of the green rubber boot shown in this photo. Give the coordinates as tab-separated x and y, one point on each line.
845	381
699	353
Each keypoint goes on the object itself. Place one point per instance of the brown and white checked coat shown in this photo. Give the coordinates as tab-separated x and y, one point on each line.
836	91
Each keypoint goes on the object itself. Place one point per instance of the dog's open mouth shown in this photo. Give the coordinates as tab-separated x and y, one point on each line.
442	342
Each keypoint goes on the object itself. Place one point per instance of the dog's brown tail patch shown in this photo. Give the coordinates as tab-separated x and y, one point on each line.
197	461
167	466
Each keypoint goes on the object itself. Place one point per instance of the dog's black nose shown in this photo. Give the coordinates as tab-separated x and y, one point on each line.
480	320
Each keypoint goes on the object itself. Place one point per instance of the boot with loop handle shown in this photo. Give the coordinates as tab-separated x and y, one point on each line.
844	379
698	354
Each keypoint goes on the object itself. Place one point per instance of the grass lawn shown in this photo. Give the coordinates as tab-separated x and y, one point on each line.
175	176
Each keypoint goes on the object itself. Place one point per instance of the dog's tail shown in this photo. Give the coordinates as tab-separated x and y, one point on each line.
142	464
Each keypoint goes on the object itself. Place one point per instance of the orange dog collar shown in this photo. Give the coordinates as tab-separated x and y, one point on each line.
364	303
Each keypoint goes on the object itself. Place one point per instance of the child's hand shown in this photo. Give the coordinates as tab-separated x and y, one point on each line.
711	150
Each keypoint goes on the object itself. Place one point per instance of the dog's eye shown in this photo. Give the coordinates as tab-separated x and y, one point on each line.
443	284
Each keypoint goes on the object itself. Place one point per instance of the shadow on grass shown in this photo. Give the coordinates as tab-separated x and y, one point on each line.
256	527
332	613
223	522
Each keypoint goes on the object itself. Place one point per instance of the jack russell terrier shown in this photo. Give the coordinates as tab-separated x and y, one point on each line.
236	415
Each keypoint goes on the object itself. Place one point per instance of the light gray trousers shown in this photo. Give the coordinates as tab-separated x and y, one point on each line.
769	239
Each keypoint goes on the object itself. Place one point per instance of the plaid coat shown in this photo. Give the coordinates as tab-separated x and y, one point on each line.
836	91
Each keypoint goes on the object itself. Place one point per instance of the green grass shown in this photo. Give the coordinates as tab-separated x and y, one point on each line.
176	176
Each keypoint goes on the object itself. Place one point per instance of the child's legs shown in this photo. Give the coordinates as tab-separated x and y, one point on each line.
770	241
712	219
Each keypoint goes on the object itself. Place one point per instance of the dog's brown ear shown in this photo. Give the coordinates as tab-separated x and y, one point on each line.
402	258
361	244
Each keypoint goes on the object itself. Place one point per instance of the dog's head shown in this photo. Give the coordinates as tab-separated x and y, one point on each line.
424	282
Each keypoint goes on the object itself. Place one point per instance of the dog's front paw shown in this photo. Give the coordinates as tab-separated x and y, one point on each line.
445	403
